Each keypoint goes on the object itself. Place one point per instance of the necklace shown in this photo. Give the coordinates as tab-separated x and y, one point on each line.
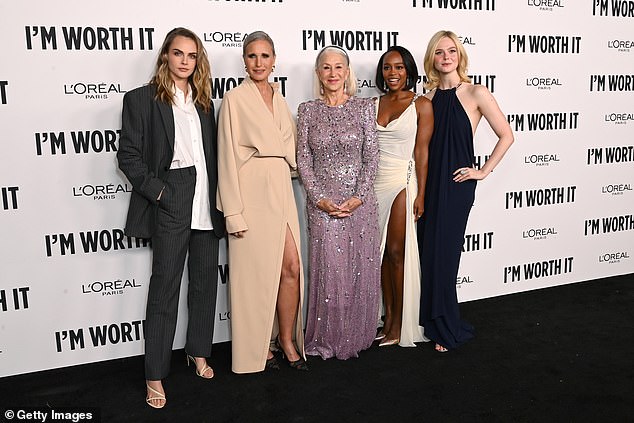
455	87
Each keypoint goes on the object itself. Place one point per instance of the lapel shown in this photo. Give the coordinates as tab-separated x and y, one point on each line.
167	116
281	127
206	130
272	118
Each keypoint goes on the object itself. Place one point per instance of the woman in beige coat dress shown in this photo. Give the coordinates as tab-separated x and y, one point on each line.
256	153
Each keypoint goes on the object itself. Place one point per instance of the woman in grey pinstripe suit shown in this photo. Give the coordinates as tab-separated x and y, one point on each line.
168	152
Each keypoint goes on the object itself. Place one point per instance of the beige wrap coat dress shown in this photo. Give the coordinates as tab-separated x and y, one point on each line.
256	153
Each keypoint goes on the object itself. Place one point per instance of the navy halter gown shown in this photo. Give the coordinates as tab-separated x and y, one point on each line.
442	227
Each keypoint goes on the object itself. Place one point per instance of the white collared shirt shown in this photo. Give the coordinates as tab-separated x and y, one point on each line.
189	151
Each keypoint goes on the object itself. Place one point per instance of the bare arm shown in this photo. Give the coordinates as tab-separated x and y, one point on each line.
424	131
488	107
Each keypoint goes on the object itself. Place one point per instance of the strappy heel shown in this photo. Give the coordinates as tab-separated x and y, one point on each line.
202	372
441	349
154	395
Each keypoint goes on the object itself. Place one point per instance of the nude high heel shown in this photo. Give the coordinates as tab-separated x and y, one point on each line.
202	372
154	395
388	342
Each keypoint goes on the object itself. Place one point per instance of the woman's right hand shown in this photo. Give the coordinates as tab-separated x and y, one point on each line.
328	206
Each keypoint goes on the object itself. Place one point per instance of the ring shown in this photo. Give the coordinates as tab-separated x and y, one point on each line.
463	171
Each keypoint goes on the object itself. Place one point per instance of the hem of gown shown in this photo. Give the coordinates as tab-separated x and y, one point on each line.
416	340
466	333
335	355
245	372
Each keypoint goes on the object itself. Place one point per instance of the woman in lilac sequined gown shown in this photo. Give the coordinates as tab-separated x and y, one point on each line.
337	160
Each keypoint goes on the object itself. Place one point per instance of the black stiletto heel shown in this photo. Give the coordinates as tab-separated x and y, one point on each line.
271	363
297	364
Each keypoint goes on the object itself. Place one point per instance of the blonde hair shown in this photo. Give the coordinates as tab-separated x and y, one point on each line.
351	81
433	77
200	79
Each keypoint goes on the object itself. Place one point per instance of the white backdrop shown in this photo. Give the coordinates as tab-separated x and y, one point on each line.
559	209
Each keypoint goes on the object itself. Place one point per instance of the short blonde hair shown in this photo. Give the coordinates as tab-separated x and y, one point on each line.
433	77
351	82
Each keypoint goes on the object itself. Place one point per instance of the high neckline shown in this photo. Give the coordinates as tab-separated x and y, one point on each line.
449	89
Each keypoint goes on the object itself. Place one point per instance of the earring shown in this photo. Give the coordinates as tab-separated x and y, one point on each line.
321	88
273	68
345	87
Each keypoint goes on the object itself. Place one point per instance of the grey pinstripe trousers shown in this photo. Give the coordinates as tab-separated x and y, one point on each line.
171	242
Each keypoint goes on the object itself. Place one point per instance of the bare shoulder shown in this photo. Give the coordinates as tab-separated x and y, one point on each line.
422	99
423	104
430	94
478	92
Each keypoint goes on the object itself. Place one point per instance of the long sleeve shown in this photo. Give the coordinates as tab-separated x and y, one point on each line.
133	145
229	199
370	153
305	162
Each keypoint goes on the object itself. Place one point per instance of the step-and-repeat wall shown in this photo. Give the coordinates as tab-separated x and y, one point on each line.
559	208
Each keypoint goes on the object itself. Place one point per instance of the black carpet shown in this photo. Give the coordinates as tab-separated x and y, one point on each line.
562	354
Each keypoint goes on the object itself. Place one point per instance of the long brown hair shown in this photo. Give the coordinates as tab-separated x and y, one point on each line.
200	79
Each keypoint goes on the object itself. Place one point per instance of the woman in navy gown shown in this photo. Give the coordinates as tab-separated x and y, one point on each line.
451	182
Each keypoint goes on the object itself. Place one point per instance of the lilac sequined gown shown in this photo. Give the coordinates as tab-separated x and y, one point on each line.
337	158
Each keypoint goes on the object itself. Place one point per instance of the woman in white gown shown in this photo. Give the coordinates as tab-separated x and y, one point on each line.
405	124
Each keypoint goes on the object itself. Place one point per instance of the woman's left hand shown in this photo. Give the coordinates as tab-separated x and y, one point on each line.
419	207
465	173
347	207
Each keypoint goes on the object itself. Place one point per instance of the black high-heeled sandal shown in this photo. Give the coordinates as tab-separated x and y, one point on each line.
271	363
297	364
